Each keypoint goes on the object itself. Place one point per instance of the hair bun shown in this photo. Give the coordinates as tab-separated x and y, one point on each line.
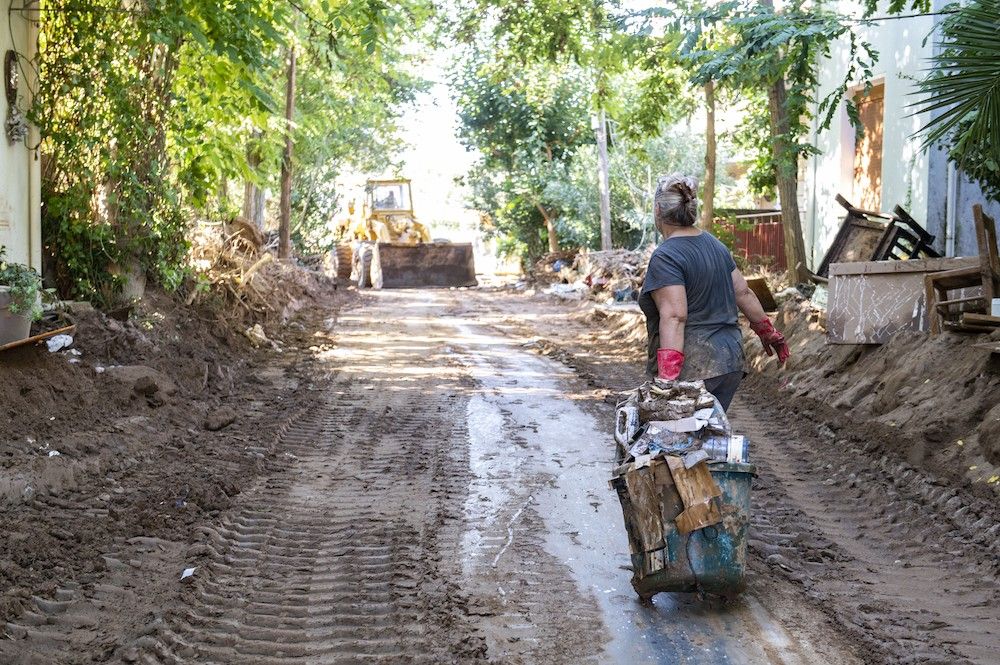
676	199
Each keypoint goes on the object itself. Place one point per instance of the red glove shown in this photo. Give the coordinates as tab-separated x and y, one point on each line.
773	341
669	363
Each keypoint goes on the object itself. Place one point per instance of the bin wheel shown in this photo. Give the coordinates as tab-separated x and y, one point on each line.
645	598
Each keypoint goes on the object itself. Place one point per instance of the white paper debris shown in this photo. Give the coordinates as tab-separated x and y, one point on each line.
188	572
59	342
54	453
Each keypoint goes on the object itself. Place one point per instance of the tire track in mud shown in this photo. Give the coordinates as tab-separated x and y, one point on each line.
900	562
76	622
346	556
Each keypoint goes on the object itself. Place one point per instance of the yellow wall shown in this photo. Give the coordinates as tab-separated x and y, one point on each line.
20	207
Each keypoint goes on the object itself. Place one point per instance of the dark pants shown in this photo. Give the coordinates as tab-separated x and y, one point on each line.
724	387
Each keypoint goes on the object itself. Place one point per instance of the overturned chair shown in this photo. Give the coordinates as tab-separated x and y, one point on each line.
964	311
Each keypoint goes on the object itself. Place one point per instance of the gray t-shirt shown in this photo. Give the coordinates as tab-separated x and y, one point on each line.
713	341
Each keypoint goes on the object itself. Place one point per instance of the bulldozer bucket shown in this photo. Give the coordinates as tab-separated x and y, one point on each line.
399	266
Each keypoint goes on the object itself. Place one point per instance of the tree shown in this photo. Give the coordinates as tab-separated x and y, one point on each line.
778	51
285	222
527	124
963	90
146	116
110	86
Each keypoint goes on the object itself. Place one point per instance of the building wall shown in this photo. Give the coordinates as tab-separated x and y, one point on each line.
20	208
905	168
967	194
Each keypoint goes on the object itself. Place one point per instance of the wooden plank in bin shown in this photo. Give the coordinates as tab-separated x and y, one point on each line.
645	497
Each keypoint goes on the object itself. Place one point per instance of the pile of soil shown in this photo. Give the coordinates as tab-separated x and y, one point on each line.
931	400
142	429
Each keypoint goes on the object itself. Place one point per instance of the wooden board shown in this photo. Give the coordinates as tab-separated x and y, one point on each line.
759	286
980	319
868	148
855	241
992	347
645	497
68	330
698	490
871	301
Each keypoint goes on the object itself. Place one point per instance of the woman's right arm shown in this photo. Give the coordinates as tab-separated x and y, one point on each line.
671	302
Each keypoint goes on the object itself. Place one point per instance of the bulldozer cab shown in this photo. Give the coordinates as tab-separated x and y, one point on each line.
388	197
395	250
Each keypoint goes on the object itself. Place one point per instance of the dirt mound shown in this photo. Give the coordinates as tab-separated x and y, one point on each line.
932	400
142	429
234	274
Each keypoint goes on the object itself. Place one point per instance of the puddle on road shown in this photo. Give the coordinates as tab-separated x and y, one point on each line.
531	443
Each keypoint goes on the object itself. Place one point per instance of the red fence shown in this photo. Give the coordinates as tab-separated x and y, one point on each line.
759	238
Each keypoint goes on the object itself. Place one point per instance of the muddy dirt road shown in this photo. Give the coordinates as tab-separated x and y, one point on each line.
441	496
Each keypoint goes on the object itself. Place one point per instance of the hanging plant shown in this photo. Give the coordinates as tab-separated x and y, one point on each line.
24	287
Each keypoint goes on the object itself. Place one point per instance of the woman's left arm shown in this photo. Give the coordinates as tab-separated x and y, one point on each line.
772	339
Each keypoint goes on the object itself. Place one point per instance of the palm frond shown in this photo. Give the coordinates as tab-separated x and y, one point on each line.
962	88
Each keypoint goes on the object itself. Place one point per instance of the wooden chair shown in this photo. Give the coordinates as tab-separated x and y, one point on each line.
986	276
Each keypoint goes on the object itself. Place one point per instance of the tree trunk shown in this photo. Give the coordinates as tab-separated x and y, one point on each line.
601	132
253	196
550	227
786	175
708	188
284	226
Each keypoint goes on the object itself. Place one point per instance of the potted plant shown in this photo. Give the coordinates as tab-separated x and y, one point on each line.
20	300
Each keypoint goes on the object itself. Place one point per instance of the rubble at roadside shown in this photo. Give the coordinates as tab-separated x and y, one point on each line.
602	276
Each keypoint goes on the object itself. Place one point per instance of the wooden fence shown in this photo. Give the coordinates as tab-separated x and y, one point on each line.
758	236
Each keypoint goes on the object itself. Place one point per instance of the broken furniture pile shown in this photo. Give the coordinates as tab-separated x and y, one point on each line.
684	485
607	276
877	236
906	286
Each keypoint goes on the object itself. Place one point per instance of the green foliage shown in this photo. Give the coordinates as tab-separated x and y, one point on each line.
348	105
148	114
762	47
656	92
533	30
632	179
962	91
898	6
24	287
527	125
109	113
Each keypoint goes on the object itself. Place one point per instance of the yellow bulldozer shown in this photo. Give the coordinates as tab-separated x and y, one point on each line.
386	215
388	248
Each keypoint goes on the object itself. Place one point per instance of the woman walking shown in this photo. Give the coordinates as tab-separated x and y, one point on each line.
691	297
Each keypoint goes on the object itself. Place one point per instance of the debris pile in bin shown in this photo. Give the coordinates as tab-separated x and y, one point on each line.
674	418
683	481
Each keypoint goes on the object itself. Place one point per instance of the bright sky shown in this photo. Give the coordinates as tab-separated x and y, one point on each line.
435	157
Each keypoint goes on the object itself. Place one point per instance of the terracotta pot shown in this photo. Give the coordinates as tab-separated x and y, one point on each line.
13	327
